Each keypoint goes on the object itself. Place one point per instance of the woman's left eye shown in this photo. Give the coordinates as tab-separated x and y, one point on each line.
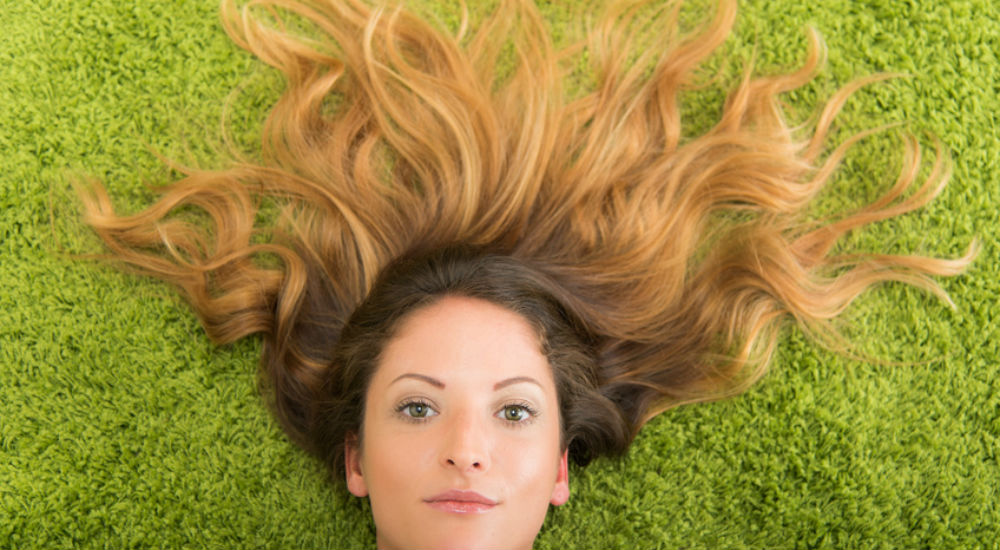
515	413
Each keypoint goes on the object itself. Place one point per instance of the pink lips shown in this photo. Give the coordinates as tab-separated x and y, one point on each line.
461	502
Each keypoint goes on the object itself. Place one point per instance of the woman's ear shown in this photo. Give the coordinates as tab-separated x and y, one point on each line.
352	464
560	493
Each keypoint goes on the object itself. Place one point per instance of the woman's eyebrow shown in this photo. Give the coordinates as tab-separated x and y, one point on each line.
515	380
424	378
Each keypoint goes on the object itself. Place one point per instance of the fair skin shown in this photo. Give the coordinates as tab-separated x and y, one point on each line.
460	445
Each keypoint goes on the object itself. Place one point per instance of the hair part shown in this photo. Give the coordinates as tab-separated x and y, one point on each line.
617	216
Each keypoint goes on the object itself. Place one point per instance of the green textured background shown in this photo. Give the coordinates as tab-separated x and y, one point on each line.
121	426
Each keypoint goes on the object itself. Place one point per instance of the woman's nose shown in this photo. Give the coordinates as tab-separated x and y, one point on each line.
466	446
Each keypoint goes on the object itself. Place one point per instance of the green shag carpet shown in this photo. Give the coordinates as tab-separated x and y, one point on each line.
122	426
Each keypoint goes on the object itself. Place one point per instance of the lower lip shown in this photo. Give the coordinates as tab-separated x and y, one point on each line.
461	507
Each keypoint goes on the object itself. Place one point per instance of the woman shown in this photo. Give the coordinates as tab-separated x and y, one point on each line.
462	381
426	180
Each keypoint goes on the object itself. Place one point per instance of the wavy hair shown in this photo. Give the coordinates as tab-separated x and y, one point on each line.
681	256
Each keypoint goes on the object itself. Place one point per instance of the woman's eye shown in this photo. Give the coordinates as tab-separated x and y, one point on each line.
515	413
417	410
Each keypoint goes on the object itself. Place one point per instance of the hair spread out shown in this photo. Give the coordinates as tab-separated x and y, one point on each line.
393	136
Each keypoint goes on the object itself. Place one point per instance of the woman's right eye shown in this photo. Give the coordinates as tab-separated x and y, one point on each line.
417	410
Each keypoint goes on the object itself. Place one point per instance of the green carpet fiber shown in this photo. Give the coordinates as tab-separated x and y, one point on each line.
122	426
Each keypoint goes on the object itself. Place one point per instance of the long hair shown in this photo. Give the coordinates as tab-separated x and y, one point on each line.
681	255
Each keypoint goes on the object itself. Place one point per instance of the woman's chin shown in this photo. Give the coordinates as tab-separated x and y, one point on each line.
454	536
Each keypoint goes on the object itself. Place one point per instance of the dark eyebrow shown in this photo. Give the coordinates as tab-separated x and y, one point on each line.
432	381
515	380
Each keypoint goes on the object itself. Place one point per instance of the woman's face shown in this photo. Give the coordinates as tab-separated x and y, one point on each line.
460	445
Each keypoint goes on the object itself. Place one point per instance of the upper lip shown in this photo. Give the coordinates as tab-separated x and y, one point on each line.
461	496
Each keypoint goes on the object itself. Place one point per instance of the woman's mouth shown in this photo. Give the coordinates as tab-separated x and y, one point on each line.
461	502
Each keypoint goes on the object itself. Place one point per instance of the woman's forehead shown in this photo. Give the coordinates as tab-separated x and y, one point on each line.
467	340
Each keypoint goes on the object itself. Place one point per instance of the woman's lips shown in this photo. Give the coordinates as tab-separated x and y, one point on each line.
461	502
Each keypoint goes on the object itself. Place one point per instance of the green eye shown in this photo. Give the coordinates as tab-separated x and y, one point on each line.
514	413
417	410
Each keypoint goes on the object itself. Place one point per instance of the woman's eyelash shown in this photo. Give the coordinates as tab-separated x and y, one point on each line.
508	414
517	413
415	410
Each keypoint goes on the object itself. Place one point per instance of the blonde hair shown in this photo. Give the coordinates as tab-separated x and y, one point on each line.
681	256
